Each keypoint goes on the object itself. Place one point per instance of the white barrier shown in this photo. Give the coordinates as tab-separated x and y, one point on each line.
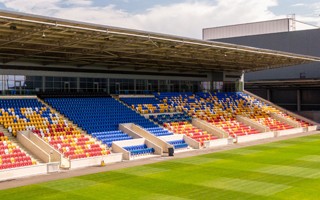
253	137
216	143
19	172
312	128
123	143
289	131
64	162
172	137
95	161
53	167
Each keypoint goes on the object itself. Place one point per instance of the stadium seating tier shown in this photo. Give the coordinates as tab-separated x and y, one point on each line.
30	114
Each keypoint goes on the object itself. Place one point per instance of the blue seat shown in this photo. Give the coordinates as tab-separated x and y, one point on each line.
139	150
178	144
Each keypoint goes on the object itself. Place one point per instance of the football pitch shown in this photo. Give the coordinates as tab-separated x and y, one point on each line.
288	169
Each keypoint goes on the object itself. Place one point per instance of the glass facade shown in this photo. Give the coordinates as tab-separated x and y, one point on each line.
141	86
28	85
93	85
63	84
20	85
163	86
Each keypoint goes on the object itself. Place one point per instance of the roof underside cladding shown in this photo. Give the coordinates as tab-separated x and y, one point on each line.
46	41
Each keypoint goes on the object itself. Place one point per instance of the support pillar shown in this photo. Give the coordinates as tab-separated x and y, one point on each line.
43	83
78	84
298	100
108	85
268	94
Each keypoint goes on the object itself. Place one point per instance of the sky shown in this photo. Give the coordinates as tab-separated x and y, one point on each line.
177	17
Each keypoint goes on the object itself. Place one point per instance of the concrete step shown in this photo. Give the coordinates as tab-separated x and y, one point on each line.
6	132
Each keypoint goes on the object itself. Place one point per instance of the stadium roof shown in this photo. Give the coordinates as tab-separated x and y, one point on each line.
49	41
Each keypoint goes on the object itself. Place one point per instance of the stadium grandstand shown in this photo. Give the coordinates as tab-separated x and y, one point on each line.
75	95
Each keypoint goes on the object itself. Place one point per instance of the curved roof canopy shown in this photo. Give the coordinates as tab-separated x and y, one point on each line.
48	41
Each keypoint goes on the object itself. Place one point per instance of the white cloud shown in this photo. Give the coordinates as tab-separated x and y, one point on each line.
298	5
78	2
188	19
185	19
45	7
313	16
316	7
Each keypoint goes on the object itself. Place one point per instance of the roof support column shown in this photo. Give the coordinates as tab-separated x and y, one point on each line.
108	85
241	82
268	94
43	83
78	84
215	77
298	100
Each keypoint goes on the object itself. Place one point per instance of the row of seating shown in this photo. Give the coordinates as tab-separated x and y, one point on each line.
167	118
178	144
70	145
146	105
108	137
168	95
189	130
235	128
158	131
140	100
139	150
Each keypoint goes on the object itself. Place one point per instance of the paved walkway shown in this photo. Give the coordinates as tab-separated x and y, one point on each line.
91	170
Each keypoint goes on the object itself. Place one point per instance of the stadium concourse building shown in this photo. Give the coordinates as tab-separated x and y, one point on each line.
42	54
296	88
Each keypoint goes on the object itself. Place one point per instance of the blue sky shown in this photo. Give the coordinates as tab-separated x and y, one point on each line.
136	6
295	6
178	17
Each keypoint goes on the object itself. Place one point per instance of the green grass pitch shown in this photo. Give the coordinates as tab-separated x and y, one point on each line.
287	169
